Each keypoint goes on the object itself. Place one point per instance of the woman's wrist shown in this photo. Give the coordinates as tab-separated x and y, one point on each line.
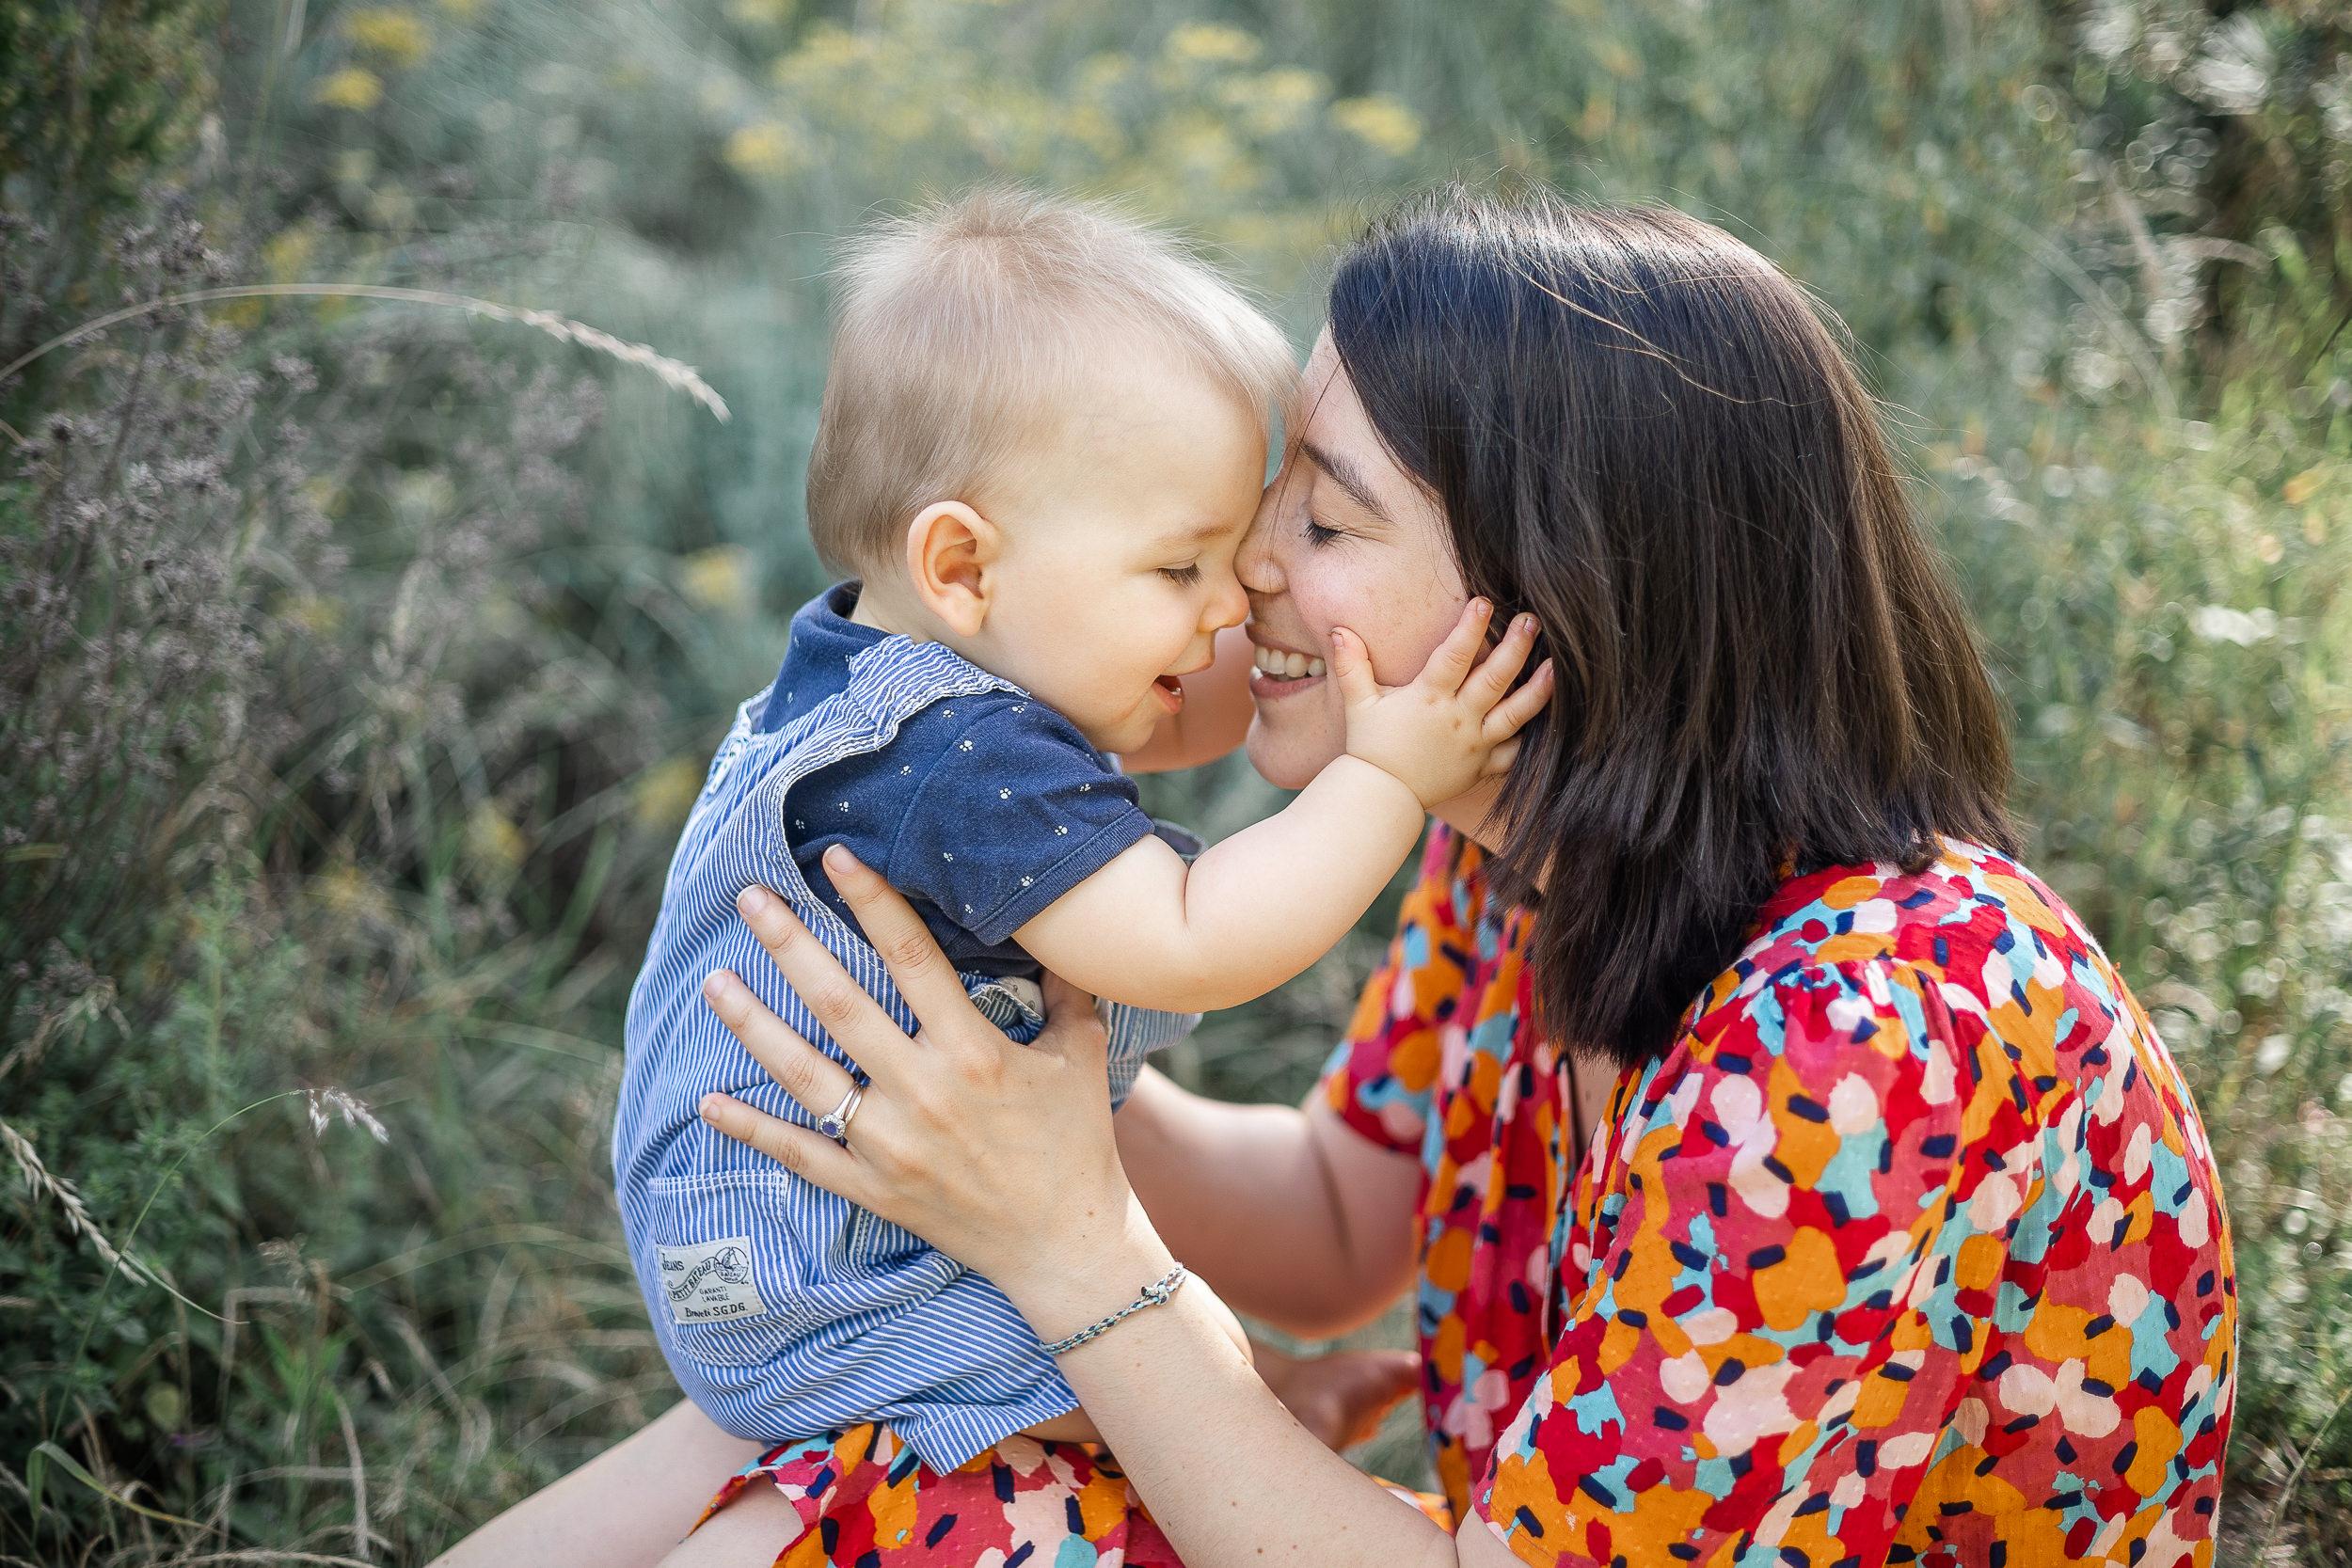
1089	1274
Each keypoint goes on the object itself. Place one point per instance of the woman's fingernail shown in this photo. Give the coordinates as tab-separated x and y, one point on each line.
716	983
752	899
1527	622
839	859
1482	607
706	1106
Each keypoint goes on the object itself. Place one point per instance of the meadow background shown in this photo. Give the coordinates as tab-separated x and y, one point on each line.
359	656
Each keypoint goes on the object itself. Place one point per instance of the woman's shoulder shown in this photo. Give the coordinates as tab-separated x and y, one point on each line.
1949	918
1923	964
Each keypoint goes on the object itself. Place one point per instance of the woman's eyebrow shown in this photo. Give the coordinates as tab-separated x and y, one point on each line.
1347	478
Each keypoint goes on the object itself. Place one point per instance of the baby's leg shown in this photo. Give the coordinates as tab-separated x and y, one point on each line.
752	1531
623	1509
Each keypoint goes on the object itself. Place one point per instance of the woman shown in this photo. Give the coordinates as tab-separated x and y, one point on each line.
1898	1240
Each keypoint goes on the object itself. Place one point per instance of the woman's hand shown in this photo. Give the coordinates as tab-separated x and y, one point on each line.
1000	1155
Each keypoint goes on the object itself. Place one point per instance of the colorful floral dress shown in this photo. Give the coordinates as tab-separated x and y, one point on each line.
1909	1249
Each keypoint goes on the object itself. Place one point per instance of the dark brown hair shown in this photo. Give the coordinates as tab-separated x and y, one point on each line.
1641	430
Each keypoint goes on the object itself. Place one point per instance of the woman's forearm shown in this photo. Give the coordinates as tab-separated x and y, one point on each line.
1295	1220
1225	1470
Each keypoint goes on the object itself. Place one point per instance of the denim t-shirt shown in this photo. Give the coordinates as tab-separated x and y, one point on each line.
982	810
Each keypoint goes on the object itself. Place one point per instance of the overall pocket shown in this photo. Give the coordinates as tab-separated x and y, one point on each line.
726	1265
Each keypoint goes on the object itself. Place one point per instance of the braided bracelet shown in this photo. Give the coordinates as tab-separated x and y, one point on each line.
1154	1294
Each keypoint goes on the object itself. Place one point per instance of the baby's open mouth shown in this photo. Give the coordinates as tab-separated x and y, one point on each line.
1171	692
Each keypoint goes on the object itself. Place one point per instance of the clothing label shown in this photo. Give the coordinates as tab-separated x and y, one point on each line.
710	1282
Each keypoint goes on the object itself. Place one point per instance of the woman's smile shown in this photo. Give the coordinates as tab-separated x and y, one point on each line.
1279	672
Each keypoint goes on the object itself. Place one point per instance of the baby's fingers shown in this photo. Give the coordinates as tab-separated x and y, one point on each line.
1494	675
1454	657
1351	672
1509	716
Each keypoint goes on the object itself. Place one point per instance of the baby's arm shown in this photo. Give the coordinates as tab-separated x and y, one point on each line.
1261	905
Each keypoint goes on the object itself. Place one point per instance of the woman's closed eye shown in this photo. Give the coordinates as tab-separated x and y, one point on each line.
1319	534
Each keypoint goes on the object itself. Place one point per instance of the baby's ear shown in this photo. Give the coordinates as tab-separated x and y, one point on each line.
951	553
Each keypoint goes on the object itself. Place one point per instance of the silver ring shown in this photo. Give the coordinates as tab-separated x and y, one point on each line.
835	1124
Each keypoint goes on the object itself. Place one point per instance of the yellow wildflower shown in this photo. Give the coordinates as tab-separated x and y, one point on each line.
398	34
1104	72
1273	100
664	793
349	892
287	253
719	578
493	842
2302	487
349	88
1211	43
1380	123
325	494
1092	128
765	147
313	615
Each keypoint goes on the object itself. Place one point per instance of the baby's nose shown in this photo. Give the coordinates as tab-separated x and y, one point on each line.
1229	605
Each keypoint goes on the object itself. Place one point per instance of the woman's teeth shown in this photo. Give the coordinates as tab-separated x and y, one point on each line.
1288	666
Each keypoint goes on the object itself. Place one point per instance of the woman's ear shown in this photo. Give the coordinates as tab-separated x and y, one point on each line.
950	551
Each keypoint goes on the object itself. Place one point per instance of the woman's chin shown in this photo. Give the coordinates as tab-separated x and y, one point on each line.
1288	755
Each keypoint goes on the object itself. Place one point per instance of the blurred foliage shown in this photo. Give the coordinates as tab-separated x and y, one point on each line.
360	660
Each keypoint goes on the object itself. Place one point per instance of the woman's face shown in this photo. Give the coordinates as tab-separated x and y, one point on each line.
1344	537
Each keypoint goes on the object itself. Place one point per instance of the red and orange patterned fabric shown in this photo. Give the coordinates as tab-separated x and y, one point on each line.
1909	1249
862	1497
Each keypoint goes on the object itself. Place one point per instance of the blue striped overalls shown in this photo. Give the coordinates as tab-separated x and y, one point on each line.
784	1310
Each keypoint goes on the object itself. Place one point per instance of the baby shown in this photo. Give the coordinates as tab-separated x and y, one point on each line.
1043	436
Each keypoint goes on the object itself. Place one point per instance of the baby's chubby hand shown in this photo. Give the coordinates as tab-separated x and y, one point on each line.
1453	724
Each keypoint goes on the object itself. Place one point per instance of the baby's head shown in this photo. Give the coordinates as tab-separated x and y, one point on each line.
1043	436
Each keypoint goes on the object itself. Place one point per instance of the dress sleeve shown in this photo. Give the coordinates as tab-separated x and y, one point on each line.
1773	1332
1382	1077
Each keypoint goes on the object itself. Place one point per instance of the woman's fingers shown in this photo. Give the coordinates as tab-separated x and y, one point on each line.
890	925
1502	666
798	1149
866	1034
1509	716
1454	657
802	1071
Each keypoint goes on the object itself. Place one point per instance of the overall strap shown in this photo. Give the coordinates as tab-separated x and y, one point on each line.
890	682
897	677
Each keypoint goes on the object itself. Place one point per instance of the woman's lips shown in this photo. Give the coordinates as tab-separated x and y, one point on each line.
1278	672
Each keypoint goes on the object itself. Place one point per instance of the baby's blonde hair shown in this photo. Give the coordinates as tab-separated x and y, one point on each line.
964	331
